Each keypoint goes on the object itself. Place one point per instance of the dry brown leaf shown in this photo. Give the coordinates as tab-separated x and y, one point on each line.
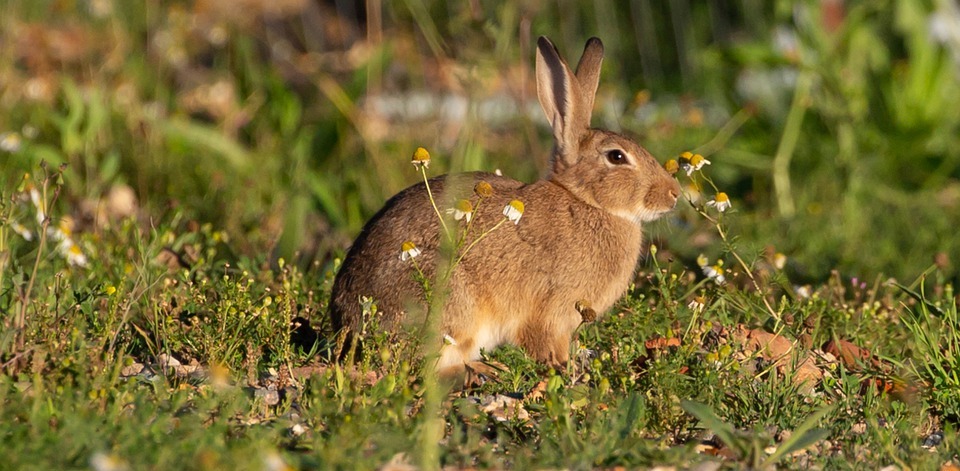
778	349
660	343
851	356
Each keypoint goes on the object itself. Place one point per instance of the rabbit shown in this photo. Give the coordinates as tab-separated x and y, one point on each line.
575	246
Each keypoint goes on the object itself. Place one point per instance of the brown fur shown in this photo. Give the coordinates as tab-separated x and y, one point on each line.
578	240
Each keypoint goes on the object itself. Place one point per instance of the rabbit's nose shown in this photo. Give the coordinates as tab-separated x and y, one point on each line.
674	190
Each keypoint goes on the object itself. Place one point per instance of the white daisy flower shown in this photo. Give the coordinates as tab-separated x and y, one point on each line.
22	231
409	250
10	142
37	203
691	162
463	210
514	211
721	201
779	261
714	272
697	305
72	253
421	158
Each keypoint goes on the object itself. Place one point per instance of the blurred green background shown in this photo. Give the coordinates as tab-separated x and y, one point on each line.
833	125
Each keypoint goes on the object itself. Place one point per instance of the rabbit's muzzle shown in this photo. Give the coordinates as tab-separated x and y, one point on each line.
662	195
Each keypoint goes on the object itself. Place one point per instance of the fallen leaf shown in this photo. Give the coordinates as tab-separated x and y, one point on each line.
660	343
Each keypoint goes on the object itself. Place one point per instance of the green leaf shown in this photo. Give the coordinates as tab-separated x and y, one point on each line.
920	298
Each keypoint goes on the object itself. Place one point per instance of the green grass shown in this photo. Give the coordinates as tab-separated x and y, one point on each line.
255	150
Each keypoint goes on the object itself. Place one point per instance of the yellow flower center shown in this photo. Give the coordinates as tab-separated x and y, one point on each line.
517	205
671	166
696	159
722	198
421	155
702	260
408	246
464	206
483	190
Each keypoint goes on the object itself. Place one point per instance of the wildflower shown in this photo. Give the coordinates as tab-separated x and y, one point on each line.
72	253
409	250
10	142
779	261
721	201
367	304
653	249
101	461
22	231
37	203
713	358
702	260
714	272
585	354
514	211
421	158
691	162
697	305
463	209
803	292
109	290
449	340
483	189
671	166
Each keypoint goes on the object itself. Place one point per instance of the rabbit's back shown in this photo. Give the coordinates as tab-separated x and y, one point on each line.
373	268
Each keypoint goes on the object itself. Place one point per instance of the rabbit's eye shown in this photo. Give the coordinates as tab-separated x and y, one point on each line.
616	157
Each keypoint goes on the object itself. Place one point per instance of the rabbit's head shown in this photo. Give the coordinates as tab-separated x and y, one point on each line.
602	168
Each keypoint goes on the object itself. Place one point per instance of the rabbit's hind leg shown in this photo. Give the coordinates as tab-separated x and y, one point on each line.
548	341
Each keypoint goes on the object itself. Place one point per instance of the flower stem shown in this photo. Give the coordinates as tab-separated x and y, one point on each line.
746	269
446	230
478	239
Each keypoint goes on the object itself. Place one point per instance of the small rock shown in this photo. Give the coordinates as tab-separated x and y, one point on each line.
270	396
933	439
131	370
504	408
298	429
167	361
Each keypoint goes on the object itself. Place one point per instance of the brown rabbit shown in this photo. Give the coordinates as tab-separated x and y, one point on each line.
577	241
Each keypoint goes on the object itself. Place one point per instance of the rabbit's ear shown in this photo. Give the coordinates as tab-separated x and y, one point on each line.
588	74
560	98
